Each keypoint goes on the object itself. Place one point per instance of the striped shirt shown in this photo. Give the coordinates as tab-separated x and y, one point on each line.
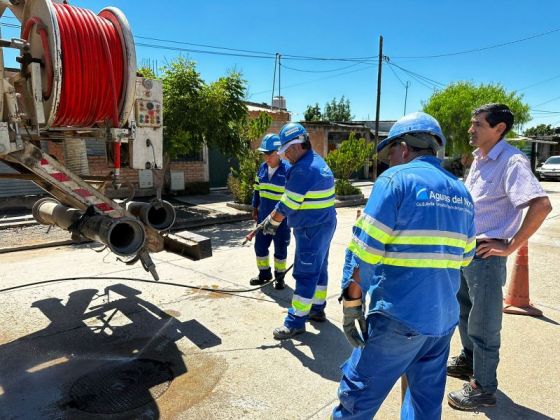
501	185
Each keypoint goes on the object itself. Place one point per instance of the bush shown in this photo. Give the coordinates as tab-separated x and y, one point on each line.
349	157
240	182
344	187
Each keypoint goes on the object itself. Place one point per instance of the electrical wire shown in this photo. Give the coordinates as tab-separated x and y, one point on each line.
170	41
538	83
397	76
164	283
323	71
314	80
503	44
419	80
417	75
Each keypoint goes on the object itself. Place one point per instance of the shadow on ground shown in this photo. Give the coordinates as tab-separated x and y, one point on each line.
106	353
507	409
325	359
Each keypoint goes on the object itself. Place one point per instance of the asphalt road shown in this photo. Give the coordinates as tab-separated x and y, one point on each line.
116	348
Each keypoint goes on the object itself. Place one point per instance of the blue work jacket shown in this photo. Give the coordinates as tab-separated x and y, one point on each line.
309	196
268	192
416	232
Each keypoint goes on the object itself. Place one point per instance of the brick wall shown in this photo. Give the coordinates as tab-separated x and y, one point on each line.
319	139
194	171
279	118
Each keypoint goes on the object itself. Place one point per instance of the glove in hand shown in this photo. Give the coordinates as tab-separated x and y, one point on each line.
351	314
269	226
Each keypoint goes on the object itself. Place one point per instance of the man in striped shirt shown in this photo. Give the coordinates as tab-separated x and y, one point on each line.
308	205
502	185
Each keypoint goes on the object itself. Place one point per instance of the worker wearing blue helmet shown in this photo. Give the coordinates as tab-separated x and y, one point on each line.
308	206
268	189
415	234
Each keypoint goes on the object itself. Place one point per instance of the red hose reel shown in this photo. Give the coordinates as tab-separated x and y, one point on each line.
88	61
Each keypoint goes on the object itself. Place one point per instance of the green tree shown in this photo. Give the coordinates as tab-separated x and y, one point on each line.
348	158
338	111
196	113
540	130
453	106
313	113
241	181
146	72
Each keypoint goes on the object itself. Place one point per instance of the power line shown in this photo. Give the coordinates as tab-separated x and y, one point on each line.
170	41
265	53
545	112
314	80
550	100
503	44
165	47
397	76
323	71
423	80
538	83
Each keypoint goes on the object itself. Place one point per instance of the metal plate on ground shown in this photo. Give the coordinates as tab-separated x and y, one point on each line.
121	386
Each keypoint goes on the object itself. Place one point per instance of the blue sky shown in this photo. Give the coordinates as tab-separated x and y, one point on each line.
351	29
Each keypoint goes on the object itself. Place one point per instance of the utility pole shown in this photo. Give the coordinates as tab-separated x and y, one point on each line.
273	82
378	104
405	95
279	68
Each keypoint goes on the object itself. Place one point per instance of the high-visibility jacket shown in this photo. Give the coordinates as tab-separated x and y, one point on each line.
309	196
415	234
267	192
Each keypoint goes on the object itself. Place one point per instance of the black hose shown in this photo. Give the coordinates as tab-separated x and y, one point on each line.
166	283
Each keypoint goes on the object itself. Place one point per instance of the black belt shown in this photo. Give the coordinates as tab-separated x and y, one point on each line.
482	240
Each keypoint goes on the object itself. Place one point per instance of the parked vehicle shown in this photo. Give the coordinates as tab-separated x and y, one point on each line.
550	168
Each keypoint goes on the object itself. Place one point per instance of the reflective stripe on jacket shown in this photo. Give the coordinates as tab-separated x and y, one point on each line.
415	234
268	192
309	196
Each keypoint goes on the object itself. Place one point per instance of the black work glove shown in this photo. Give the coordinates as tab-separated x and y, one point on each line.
269	226
353	311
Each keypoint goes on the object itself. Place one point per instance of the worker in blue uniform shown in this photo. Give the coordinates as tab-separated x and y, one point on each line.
270	181
407	249
308	205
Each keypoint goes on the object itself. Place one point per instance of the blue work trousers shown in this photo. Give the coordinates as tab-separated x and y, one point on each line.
281	241
310	272
480	321
392	350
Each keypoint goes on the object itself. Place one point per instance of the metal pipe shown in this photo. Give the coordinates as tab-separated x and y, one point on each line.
159	215
124	236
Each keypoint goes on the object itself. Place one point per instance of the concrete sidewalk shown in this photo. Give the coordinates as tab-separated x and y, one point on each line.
212	355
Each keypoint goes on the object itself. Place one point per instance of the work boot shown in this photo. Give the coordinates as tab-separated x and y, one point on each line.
283	332
471	397
263	277
318	316
460	367
279	280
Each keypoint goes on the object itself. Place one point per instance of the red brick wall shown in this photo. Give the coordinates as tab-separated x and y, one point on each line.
194	171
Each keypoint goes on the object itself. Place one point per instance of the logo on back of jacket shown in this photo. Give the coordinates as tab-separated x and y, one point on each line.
430	198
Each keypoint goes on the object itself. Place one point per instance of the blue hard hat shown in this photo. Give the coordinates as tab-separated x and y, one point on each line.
269	143
292	133
417	122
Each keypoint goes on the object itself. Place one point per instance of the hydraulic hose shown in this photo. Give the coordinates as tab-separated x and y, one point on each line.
92	68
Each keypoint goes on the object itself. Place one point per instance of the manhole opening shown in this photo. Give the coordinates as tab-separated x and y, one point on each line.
121	386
